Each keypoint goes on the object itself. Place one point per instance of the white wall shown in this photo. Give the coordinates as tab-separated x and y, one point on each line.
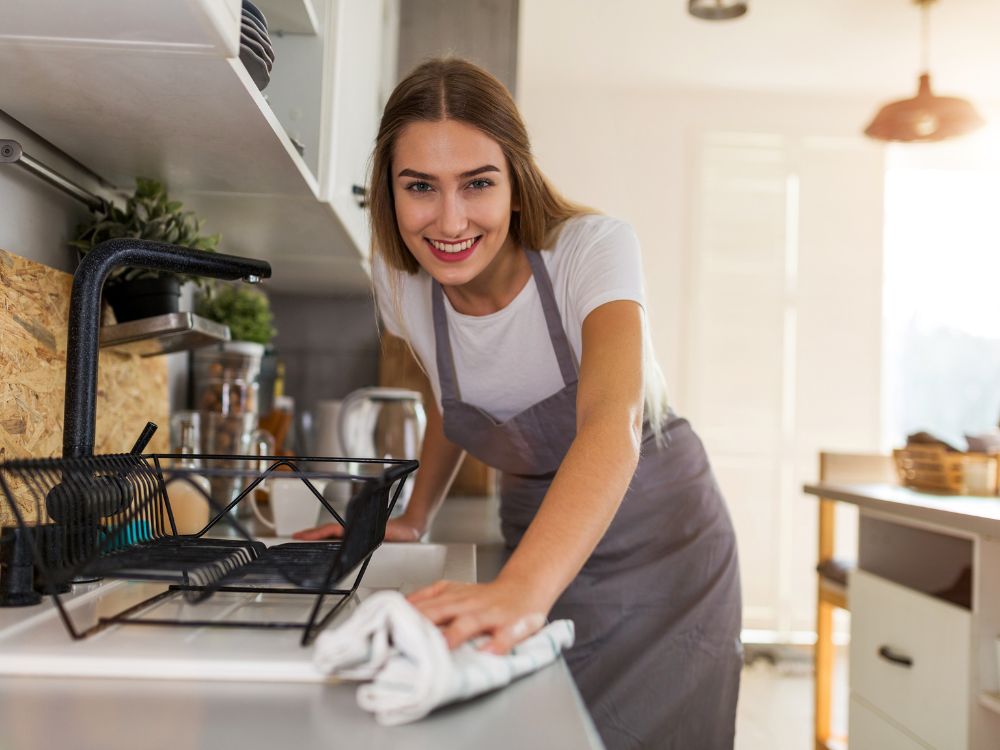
37	220
637	147
630	153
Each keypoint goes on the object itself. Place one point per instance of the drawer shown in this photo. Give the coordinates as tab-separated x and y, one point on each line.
869	730
909	658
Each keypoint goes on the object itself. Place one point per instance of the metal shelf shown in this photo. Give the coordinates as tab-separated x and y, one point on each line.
163	334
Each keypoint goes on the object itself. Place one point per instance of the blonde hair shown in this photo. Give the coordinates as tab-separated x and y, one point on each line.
455	89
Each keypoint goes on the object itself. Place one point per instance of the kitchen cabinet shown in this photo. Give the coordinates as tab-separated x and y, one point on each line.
147	88
869	729
353	108
925	618
905	646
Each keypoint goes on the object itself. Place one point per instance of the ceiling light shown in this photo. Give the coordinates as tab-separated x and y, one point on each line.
926	116
716	10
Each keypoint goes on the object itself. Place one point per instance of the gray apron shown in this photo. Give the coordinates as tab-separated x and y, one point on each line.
657	608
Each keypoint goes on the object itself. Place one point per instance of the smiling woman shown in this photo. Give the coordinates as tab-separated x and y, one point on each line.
455	219
526	313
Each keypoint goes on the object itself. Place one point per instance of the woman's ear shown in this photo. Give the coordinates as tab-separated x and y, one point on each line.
515	202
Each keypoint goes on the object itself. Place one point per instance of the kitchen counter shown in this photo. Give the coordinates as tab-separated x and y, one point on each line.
925	617
968	513
473	520
541	710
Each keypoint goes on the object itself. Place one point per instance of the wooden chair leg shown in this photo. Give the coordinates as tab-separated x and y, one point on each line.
823	656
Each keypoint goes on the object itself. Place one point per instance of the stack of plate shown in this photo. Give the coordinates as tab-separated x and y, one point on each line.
255	45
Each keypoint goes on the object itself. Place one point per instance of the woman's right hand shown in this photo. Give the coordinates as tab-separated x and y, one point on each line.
400	529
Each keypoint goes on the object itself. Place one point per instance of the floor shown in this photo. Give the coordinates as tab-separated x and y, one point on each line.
775	710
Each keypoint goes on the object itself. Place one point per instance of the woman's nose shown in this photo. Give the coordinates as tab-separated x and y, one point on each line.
453	218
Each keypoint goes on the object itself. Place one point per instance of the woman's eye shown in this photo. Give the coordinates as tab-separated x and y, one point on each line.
480	184
419	187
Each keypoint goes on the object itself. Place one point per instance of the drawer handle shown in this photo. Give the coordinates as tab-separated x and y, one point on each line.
889	655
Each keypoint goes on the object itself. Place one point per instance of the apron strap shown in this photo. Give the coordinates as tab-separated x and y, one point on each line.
442	346
564	352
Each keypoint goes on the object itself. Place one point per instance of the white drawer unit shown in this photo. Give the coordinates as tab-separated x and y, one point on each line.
869	730
909	658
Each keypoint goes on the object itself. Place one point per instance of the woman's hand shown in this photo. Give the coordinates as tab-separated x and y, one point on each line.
501	611
399	529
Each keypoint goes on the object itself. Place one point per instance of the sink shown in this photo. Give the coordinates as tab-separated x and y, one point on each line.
407	567
34	641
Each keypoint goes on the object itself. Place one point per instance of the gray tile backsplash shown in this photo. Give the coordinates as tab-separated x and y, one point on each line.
329	345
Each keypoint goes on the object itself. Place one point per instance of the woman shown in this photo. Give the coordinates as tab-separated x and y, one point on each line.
525	311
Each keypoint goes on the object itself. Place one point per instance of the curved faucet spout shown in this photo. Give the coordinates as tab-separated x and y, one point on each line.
80	406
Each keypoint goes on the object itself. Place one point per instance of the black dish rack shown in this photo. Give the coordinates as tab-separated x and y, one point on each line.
110	516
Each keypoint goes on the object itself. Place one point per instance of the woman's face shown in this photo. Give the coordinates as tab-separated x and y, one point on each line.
452	192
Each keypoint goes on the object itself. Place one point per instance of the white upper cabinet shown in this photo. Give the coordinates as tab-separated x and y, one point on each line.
352	106
192	26
156	89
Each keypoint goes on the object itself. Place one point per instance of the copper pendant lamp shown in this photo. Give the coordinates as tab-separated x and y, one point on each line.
716	10
926	116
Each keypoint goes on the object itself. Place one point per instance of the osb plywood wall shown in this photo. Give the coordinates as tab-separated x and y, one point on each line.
34	305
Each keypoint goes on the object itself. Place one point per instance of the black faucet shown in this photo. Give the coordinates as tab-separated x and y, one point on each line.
80	405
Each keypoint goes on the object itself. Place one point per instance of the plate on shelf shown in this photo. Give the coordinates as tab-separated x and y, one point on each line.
251	34
254	23
255	66
254	11
257	49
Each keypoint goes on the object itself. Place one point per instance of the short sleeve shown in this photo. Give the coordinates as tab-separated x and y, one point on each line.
385	298
605	263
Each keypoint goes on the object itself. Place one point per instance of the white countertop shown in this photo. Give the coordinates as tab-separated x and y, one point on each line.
542	710
84	712
971	513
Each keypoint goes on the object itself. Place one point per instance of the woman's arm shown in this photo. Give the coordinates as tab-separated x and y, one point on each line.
439	462
580	504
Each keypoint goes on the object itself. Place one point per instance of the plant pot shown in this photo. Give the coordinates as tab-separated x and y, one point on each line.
144	298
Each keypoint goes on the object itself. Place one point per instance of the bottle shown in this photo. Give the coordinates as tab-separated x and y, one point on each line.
188	491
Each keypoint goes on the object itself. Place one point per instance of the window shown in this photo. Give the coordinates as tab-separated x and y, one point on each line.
941	302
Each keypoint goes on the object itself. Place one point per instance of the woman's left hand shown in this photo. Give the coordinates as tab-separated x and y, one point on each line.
503	612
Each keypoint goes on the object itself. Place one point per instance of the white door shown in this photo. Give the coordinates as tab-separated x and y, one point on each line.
784	342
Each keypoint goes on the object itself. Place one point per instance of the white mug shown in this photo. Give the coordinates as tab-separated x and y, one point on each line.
293	505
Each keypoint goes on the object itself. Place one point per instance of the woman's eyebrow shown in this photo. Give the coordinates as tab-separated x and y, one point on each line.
465	175
479	170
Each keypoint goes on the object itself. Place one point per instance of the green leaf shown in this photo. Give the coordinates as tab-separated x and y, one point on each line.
147	214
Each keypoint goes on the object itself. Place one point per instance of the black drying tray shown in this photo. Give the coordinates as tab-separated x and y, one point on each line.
111	516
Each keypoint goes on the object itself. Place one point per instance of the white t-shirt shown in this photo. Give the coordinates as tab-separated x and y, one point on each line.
505	361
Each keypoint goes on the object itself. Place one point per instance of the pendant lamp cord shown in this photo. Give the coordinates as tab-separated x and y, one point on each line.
925	35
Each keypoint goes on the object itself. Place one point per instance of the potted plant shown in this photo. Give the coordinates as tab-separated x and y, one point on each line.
149	214
244	309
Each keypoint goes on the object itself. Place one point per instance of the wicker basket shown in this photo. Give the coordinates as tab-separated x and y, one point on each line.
931	467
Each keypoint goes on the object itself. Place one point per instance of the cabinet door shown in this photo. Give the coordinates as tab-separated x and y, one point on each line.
909	658
869	730
355	38
200	27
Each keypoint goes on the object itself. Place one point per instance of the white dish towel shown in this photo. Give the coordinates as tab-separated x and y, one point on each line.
411	670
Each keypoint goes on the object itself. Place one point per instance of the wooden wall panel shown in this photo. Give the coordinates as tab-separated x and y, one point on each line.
34	307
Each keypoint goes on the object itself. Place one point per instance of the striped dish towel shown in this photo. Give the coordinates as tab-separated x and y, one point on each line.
407	667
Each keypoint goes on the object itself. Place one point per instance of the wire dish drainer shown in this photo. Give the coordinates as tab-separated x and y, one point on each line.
111	517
